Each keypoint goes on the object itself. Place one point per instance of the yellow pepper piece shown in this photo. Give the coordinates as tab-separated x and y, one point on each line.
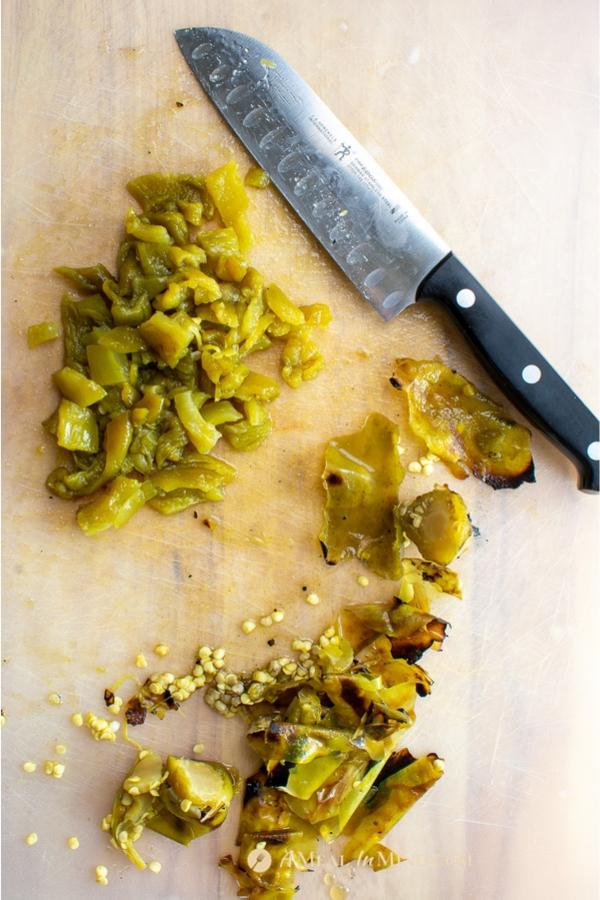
282	306
112	509
152	403
257	178
41	333
221	412
106	366
301	359
76	428
143	231
201	433
76	387
173	297
123	339
317	314
188	255
192	212
227	190
117	438
168	337
219	241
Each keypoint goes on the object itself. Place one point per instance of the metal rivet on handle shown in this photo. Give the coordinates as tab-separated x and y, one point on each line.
593	451
466	298
531	374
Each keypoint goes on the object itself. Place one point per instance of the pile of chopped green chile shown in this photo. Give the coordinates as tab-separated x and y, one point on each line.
155	357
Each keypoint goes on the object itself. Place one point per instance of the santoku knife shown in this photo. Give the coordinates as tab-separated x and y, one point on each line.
372	231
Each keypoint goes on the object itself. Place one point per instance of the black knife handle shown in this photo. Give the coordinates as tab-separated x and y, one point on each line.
523	374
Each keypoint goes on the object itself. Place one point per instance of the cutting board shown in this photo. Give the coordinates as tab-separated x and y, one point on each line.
485	115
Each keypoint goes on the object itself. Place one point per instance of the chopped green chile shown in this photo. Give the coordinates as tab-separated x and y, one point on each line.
155	354
164	193
115	506
123	339
76	428
438	523
257	178
201	433
462	426
106	366
41	333
168	337
362	475
76	387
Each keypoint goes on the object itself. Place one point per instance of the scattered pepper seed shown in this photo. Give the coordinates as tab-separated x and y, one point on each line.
54	768
115	706
198	748
77	720
29	766
414	467
31	838
313	599
60	749
154	866
55	699
161	649
2	719
141	661
100	729
267	621
278	615
363	580
248	626
101	874
72	843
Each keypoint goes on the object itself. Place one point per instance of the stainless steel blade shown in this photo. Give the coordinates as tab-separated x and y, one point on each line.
373	232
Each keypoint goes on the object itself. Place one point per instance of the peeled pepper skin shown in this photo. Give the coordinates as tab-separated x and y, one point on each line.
362	475
144	800
438	523
393	798
290	841
462	426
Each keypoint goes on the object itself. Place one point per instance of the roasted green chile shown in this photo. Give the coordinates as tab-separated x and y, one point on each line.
155	368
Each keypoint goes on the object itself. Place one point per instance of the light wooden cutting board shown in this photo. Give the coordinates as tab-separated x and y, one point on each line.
485	112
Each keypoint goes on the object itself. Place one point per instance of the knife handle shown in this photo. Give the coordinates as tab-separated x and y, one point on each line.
523	374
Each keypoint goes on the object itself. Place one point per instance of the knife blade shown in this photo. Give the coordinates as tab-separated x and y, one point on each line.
370	228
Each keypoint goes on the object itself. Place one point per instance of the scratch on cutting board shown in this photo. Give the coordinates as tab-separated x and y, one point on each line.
482	822
554	86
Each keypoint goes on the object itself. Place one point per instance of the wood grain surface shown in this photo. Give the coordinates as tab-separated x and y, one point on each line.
485	112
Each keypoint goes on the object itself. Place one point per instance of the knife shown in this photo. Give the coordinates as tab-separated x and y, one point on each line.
372	231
